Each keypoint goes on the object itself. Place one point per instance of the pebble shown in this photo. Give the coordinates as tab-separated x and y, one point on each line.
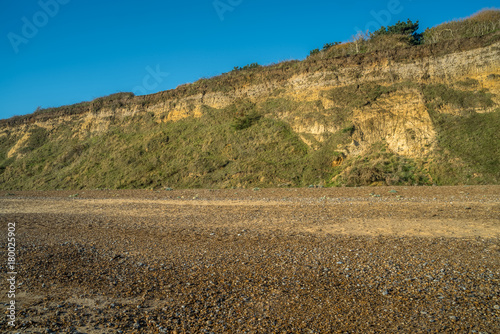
177	278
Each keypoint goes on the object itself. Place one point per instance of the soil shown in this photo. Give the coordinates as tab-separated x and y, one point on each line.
336	260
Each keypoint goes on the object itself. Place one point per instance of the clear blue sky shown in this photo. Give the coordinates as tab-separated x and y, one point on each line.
82	49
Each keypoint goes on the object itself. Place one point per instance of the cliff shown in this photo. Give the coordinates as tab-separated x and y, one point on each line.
413	115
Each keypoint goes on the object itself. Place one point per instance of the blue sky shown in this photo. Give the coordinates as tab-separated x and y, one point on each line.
58	52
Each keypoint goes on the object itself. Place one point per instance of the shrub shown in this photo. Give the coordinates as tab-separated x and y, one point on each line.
387	42
357	96
402	34
314	52
245	121
329	45
379	166
407	28
247	67
349	130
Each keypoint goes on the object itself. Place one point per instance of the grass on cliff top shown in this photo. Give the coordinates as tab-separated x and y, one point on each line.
480	24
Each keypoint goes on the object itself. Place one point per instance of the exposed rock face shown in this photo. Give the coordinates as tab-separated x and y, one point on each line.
401	120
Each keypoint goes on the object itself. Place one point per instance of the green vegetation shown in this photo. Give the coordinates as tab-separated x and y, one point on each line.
319	169
247	67
469	149
112	102
402	34
379	166
468	144
205	152
329	45
245	115
357	96
349	129
314	52
480	24
405	34
246	120
407	29
251	144
439	95
37	137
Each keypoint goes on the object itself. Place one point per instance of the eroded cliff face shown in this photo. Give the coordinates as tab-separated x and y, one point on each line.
398	116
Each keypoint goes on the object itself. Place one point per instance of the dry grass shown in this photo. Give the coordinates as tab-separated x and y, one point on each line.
480	24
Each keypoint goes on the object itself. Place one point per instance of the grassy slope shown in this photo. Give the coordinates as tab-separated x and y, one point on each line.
247	145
